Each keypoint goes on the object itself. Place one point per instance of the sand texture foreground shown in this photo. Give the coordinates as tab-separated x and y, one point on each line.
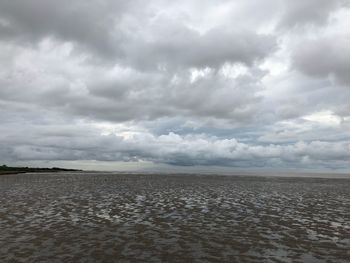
87	217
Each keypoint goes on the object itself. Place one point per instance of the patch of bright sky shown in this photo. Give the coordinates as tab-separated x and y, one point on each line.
199	73
279	62
126	131
327	118
211	18
233	70
340	22
301	128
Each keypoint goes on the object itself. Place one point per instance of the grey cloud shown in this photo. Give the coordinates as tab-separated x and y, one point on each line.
298	13
307	130
87	23
195	83
104	28
325	56
124	94
212	96
295	94
173	149
177	46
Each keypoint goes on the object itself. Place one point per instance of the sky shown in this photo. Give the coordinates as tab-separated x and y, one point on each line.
175	85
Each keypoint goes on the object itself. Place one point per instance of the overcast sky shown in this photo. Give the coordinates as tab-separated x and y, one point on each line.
111	84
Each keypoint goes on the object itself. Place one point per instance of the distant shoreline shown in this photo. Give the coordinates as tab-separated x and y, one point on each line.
5	170
11	172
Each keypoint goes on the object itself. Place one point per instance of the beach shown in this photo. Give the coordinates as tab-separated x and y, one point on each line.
106	217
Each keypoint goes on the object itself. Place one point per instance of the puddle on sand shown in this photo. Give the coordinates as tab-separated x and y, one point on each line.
154	218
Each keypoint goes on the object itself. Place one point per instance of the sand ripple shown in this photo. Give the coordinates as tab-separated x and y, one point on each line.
155	218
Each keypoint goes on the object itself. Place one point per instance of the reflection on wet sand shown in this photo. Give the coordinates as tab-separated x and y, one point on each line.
174	218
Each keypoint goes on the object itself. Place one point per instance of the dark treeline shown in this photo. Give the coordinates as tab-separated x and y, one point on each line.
8	169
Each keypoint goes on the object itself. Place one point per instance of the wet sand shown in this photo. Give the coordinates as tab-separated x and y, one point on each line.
87	217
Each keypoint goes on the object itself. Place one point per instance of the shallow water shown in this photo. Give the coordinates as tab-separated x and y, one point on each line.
91	217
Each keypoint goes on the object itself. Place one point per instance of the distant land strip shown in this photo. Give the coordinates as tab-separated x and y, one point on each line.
4	169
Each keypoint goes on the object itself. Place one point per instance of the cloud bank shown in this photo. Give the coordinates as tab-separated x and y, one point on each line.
196	83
